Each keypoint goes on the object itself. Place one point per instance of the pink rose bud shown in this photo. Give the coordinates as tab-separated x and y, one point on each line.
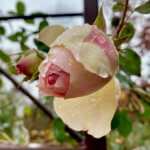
81	61
28	64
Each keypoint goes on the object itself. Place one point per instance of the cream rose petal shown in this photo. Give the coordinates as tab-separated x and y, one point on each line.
49	34
92	113
100	58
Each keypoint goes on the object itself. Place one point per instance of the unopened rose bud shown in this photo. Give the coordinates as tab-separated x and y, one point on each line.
28	64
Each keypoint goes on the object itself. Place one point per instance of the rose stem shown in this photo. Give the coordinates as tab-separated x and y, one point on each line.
122	20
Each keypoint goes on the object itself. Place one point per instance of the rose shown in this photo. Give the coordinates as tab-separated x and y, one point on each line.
80	68
28	64
80	62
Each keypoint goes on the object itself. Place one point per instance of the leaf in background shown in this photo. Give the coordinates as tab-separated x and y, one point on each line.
1	83
41	46
120	41
127	29
12	13
23	46
122	123
49	34
29	21
15	37
35	76
144	9
123	78
4	138
2	30
60	133
119	6
100	20
130	62
43	24
146	114
4	57
20	8
116	121
144	95
12	69
27	111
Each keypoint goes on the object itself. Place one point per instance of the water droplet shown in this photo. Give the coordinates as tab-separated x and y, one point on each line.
103	72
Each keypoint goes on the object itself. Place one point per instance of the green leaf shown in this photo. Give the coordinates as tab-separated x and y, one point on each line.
100	20
35	76
5	138
23	46
43	24
20	8
2	30
12	13
15	37
144	95
4	57
130	62
120	41
1	83
146	114
29	21
123	78
12	69
116	121
18	37
59	130
60	133
127	29
119	6
27	111
122	123
144	9
41	46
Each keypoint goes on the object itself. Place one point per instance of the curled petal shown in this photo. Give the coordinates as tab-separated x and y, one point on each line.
82	82
92	48
92	113
49	34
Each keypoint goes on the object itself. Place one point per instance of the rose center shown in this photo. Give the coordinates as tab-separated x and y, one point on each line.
52	78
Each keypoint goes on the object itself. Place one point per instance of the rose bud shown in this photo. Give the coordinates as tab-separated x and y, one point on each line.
28	64
80	68
81	61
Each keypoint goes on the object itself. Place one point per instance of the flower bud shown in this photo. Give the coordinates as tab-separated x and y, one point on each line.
81	61
28	64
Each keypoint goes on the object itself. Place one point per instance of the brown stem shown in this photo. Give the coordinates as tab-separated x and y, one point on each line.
37	103
90	143
122	20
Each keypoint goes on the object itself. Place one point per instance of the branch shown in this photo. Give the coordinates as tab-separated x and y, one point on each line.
37	103
122	20
40	16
